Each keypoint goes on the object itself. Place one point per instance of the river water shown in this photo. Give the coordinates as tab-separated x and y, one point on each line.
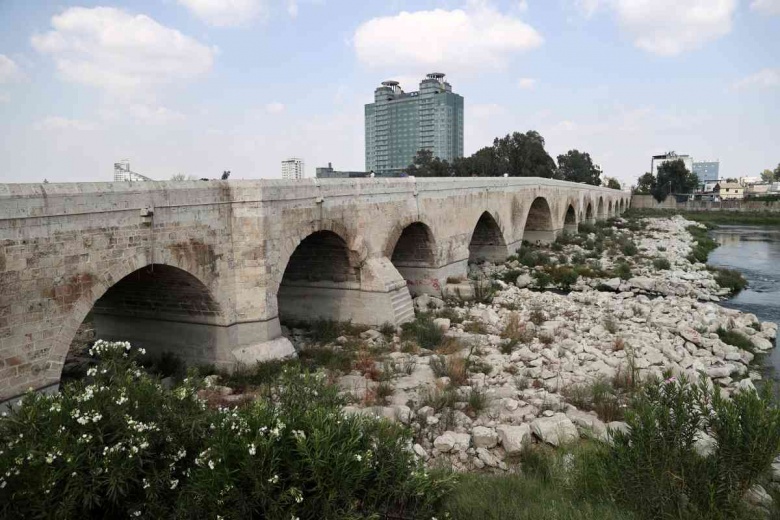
755	252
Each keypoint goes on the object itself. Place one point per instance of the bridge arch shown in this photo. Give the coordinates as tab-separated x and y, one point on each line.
539	225
610	211
412	251
570	220
156	306
487	240
589	216
600	215
318	278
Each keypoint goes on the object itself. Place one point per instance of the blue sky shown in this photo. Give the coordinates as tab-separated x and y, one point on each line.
199	86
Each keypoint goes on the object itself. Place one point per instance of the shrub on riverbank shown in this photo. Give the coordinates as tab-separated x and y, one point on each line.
703	246
734	338
658	468
729	279
120	445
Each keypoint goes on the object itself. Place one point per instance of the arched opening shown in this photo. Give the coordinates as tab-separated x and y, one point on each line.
622	206
570	220
589	213
539	223
414	256
319	282
609	209
487	242
160	308
600	210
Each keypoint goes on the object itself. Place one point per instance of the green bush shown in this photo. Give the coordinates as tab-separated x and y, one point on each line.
563	276
734	338
729	279
542	492
542	278
703	244
654	467
629	248
661	264
623	270
422	330
122	446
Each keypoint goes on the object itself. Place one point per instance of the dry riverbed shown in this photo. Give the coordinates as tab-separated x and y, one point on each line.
477	380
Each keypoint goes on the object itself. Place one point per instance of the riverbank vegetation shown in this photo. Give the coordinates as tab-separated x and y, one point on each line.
119	444
754	218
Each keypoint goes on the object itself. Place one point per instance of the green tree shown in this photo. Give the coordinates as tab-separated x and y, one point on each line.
613	183
767	176
645	184
576	166
777	173
523	155
673	177
425	164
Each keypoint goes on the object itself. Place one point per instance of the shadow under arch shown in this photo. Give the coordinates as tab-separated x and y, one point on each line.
570	220
600	209
158	307
320	281
589	216
539	226
487	241
412	251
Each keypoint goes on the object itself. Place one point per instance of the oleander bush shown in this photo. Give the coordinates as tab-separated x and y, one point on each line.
119	445
654	467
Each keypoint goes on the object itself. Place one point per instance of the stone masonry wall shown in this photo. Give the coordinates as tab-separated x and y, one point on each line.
63	246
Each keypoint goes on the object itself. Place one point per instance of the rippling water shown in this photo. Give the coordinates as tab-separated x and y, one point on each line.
754	251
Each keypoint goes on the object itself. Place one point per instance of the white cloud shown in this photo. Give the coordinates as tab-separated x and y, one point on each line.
473	38
5	97
766	6
9	70
292	8
56	123
526	83
765	78
522	6
274	108
140	113
225	13
119	52
669	27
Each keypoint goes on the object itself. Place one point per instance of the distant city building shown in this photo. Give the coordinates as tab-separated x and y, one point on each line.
329	173
729	190
293	169
122	173
399	123
756	190
658	160
750	180
707	171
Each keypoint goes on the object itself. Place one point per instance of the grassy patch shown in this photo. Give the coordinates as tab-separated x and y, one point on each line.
704	244
525	497
661	264
422	330
735	339
729	279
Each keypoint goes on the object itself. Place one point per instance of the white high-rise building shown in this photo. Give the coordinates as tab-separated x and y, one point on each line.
292	168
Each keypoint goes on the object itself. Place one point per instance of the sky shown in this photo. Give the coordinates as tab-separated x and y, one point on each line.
196	87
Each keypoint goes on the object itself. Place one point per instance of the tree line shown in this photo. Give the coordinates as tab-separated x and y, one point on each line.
674	177
515	155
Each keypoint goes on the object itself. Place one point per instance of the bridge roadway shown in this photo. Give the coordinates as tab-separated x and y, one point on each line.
208	269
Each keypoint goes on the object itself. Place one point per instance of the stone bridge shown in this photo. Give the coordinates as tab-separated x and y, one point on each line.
208	269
